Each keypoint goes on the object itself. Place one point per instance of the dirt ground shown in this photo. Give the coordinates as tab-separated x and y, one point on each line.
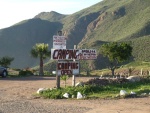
16	96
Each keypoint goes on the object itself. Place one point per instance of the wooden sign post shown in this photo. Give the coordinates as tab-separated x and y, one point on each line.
68	59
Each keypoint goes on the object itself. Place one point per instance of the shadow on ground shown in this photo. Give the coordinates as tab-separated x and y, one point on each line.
29	78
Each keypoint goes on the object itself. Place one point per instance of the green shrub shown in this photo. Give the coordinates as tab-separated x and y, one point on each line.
58	93
64	78
26	72
52	94
108	91
47	73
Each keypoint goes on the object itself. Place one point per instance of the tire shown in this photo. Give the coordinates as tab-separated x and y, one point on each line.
4	74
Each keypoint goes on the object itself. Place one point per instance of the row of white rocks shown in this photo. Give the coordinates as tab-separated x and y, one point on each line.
124	93
66	95
79	95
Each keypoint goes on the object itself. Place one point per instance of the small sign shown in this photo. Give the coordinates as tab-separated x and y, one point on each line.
73	54
87	54
59	42
68	67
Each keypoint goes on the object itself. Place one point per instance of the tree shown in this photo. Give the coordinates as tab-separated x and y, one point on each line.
64	78
6	61
116	53
40	50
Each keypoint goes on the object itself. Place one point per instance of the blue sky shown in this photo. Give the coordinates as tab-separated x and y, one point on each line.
14	11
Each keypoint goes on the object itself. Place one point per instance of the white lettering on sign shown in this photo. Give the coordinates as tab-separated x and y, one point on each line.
70	54
68	67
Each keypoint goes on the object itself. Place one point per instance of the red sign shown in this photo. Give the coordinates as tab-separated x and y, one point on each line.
70	54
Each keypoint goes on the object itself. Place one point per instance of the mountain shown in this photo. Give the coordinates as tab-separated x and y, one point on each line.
50	16
107	21
17	41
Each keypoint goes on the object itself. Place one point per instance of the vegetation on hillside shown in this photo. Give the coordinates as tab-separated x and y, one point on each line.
50	16
122	20
141	48
118	20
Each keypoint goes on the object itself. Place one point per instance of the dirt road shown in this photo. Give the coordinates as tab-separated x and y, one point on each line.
16	96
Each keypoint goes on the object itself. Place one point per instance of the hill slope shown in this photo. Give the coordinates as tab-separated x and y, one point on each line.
121	20
18	40
50	16
115	20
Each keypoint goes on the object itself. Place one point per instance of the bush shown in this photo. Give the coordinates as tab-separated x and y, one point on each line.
26	72
58	93
47	73
105	91
52	94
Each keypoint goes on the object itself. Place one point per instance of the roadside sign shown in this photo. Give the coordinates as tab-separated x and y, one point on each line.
68	67
87	54
68	59
59	42
73	54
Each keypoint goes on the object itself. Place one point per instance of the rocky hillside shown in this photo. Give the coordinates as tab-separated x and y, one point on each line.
115	20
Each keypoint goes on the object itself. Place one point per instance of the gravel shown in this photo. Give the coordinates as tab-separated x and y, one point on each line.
17	96
27	106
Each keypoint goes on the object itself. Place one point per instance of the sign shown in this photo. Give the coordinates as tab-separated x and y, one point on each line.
68	67
73	54
87	54
59	42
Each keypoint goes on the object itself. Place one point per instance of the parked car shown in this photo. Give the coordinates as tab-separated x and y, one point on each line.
3	71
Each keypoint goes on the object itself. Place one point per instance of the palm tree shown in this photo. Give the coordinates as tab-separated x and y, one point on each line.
40	50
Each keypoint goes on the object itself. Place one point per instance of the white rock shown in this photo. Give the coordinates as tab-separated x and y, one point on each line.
79	95
66	95
143	94
134	78
79	84
123	93
133	93
40	90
